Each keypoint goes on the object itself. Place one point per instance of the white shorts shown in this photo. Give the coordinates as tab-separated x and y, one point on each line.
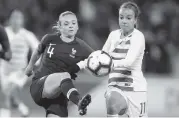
16	77
136	101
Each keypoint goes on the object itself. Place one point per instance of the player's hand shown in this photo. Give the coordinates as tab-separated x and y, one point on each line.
73	76
29	71
73	69
7	55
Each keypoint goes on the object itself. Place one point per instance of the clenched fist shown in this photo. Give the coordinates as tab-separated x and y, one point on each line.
7	55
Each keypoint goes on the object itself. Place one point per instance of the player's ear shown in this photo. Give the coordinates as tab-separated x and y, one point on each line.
77	26
60	25
135	22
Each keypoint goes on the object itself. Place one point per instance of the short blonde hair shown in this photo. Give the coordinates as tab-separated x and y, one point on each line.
58	23
66	13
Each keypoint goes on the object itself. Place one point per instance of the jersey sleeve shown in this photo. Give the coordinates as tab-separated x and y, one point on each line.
4	39
88	50
43	43
107	44
137	47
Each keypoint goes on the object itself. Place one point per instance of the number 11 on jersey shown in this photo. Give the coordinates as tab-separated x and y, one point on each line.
50	50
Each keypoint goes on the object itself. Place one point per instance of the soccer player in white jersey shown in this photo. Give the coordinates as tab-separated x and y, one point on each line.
13	77
126	94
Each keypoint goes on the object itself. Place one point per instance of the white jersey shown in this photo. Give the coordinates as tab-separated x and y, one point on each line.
20	43
127	54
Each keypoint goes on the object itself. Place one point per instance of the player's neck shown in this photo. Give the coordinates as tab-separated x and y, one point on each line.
124	34
67	39
15	30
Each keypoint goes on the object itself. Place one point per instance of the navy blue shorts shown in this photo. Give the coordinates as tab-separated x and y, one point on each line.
57	106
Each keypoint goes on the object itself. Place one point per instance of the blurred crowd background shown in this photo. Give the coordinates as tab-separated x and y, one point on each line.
158	21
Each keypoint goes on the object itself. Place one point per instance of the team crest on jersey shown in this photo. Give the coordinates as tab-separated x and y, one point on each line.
73	52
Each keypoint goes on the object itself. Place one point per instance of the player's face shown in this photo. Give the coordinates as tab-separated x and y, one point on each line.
69	25
17	20
127	19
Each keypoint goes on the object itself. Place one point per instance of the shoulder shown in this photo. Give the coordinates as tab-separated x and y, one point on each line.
45	38
138	33
27	31
80	41
8	29
83	44
2	29
138	38
52	36
30	36
115	32
49	36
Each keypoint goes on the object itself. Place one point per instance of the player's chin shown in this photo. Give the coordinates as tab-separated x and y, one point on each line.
127	29
72	33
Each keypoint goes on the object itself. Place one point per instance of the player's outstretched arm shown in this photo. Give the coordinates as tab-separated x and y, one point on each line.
35	56
83	63
77	67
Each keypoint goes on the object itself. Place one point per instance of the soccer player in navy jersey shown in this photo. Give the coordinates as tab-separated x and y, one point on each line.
61	52
5	53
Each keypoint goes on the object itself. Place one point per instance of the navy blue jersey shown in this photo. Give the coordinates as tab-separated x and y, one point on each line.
4	41
59	55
